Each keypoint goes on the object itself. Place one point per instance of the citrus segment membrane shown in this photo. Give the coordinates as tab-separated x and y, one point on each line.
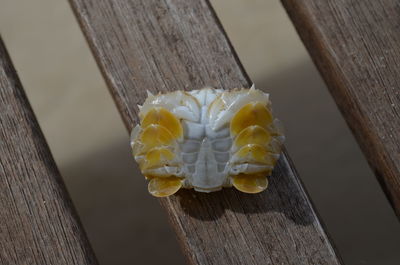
152	136
163	187
254	113
157	157
163	117
250	183
254	134
253	153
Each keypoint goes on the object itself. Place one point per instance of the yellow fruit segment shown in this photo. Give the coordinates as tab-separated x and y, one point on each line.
155	135
165	118
157	157
255	153
254	134
163	187
250	183
254	113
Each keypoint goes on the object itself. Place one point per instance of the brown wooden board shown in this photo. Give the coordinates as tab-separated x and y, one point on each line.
179	44
355	45
38	224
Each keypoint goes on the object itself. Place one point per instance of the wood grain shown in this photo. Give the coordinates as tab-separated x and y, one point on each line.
355	45
179	44
38	224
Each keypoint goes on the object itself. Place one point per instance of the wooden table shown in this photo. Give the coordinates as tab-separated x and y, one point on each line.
163	46
180	44
355	45
38	223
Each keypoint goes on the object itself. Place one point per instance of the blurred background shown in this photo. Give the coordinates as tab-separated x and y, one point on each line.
90	144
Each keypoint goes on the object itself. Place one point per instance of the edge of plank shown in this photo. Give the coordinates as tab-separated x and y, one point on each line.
319	41
38	221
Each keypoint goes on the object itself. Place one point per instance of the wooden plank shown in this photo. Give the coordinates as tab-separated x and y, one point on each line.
38	224
355	45
179	44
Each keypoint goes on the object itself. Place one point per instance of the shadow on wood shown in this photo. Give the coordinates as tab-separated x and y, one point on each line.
280	197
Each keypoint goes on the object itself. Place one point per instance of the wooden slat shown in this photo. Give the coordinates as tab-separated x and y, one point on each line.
38	224
179	44
355	45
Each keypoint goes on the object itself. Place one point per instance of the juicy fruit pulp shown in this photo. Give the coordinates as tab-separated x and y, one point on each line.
254	113
165	119
207	139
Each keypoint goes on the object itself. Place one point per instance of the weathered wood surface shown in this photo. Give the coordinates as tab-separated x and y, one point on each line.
38	224
355	45
179	44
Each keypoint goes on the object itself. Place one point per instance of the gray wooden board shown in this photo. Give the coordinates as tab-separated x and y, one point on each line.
355	45
38	224
179	44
